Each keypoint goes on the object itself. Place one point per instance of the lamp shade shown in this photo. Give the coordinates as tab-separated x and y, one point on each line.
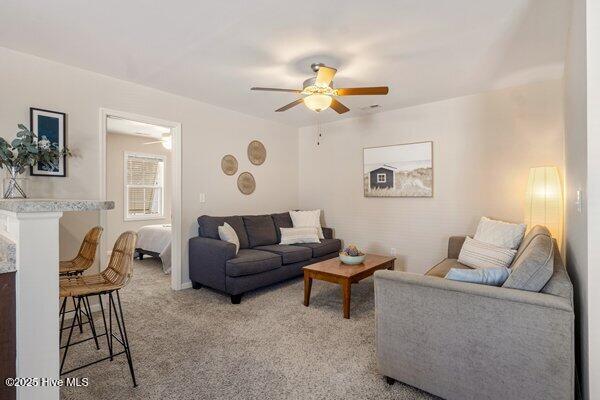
544	203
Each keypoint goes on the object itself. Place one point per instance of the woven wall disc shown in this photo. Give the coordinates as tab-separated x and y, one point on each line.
257	153
246	183
229	164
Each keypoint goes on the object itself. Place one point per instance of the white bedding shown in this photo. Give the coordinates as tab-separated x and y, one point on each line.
157	238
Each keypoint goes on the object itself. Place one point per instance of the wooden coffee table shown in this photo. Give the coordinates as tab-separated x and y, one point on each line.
335	271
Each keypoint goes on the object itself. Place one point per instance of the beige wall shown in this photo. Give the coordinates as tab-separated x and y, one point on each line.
576	236
483	144
116	146
208	132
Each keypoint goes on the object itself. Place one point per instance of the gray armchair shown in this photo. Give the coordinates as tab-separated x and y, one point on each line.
466	341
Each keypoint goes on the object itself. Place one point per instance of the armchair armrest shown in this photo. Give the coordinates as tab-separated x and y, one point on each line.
455	243
207	258
327	233
470	336
491	292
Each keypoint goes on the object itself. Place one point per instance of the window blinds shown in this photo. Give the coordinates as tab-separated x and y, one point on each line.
144	185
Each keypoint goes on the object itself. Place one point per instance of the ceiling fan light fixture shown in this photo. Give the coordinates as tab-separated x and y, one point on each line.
318	102
167	143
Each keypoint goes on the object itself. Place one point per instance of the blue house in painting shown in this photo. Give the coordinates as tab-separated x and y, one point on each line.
382	178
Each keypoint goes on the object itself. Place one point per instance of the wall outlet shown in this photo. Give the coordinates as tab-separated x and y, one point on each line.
202	197
393	251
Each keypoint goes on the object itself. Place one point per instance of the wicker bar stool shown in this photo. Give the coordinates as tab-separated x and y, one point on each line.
116	275
82	262
86	255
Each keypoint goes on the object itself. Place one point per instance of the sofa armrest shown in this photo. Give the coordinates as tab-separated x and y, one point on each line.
455	243
454	338
327	233
207	259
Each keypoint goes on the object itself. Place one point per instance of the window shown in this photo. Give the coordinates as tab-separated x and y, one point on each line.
381	178
144	186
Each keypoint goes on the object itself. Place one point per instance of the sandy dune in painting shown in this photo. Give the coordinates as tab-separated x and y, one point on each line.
415	183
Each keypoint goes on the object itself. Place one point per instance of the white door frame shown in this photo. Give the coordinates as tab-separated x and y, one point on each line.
176	266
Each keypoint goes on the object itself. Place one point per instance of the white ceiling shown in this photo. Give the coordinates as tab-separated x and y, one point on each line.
121	126
214	51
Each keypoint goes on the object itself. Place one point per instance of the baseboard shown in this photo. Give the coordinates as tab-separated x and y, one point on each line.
186	285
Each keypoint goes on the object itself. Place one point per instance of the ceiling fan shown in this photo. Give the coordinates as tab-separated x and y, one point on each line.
319	94
165	139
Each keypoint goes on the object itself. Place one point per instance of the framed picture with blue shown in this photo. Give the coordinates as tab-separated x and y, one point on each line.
49	126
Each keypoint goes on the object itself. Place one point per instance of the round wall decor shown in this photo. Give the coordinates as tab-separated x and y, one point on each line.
246	183
257	153
229	164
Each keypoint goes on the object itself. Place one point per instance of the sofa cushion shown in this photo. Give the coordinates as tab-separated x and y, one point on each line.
441	269
478	254
281	220
559	284
227	234
250	261
483	276
536	230
499	233
208	227
260	229
289	254
534	265
324	247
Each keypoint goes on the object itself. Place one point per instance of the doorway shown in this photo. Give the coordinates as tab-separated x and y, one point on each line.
140	167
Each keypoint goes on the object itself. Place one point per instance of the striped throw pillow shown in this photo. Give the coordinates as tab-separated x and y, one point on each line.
299	235
476	254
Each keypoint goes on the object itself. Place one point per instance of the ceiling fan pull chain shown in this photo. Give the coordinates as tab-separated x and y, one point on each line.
319	131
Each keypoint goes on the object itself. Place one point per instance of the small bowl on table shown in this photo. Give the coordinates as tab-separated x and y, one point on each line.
352	260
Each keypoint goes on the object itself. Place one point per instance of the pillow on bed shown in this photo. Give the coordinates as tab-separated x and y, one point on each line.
227	234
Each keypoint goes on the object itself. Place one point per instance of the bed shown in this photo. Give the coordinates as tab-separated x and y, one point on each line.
155	241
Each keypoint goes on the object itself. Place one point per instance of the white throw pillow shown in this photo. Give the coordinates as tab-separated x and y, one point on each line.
499	233
476	254
299	235
227	234
304	219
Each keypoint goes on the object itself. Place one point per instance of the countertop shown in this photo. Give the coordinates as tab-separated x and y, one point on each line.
53	205
7	255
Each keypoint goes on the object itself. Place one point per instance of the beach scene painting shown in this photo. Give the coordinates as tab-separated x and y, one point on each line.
403	170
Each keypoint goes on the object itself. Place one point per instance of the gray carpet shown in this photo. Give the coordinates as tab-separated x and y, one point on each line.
194	344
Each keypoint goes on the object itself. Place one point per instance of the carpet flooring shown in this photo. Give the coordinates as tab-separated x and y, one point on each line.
194	344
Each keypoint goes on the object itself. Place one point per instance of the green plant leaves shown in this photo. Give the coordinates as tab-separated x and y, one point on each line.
24	150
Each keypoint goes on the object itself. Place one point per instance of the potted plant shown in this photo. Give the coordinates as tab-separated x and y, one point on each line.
24	151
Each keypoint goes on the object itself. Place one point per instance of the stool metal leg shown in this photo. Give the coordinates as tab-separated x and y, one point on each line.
62	313
88	313
123	333
110	324
77	316
77	308
108	344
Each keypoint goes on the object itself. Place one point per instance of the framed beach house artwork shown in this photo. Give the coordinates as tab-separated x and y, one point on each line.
403	170
50	126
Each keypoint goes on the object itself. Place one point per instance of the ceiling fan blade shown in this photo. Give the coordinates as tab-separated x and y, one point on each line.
267	89
338	107
288	106
325	75
361	91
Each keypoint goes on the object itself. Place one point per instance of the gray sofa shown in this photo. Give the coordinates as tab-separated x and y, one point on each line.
465	341
261	261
